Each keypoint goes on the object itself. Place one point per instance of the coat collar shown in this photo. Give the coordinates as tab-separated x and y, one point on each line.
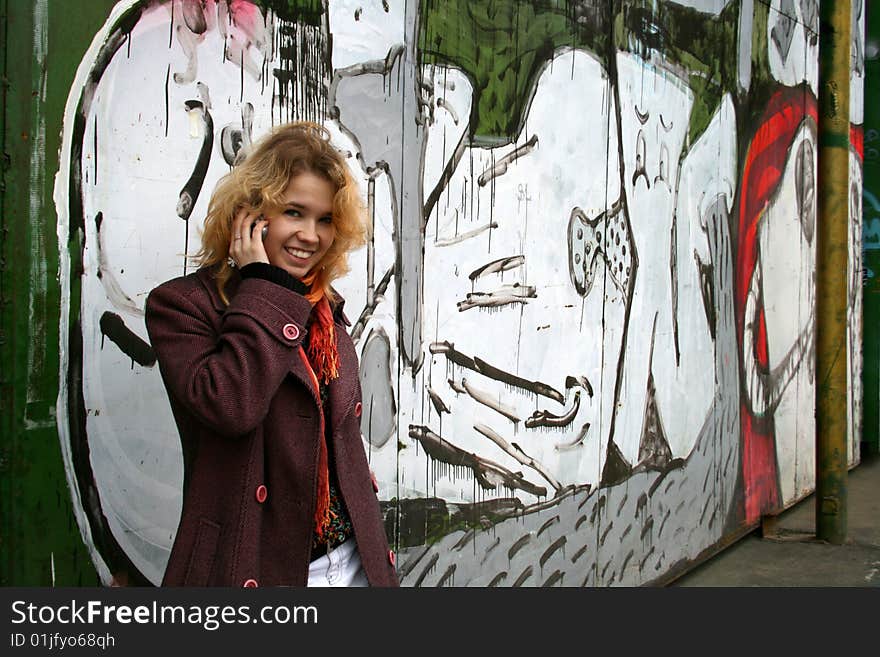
207	276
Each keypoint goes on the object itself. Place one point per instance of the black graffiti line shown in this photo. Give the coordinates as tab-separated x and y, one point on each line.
445	177
410	564
520	543
488	473
498	579
428	568
673	276
467	538
115	294
649	525
557	576
447	575
582	381
500	167
577	442
507	295
456	387
580	553
113	327
604	533
441	102
438	403
482	367
517	453
189	193
482	397
556	545
545	418
522	577
368	310
549	523
496	266
449	241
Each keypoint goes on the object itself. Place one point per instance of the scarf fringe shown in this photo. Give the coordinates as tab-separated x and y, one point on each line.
323	354
323	357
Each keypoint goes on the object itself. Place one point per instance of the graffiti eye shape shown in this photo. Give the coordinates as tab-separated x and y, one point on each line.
641	157
805	189
663	166
855	200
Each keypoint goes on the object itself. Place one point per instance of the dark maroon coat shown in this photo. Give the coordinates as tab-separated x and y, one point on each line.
249	421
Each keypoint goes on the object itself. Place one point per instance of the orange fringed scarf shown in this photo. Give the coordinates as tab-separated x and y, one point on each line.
323	357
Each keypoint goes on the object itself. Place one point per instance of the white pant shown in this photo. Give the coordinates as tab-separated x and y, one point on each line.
340	567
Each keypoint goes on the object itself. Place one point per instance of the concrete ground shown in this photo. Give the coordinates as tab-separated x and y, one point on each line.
789	554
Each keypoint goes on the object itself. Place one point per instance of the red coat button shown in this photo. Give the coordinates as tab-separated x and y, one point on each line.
261	493
250	584
290	331
358	409
391	558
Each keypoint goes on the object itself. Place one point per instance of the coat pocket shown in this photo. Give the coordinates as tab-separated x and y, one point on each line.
201	559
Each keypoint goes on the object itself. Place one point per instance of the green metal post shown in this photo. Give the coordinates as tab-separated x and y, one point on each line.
41	45
831	275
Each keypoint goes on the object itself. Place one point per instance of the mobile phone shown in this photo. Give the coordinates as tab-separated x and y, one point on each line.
264	231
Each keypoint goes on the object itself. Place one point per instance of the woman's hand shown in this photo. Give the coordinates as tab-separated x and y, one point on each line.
246	243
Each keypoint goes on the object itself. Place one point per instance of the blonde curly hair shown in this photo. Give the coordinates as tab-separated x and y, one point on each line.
258	182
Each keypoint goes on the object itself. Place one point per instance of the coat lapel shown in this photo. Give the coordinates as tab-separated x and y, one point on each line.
342	391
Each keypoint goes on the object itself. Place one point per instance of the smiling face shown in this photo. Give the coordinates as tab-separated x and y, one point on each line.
302	230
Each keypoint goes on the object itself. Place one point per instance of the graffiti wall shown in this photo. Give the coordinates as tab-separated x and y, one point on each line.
585	318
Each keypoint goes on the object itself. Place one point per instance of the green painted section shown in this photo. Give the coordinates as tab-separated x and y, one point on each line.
503	45
871	238
43	43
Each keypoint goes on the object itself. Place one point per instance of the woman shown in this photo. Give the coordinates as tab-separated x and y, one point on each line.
263	380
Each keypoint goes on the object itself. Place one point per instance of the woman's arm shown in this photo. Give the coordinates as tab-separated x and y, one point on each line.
228	379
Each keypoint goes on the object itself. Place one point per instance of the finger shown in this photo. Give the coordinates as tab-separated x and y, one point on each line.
236	238
239	218
240	231
237	223
257	229
247	230
247	245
